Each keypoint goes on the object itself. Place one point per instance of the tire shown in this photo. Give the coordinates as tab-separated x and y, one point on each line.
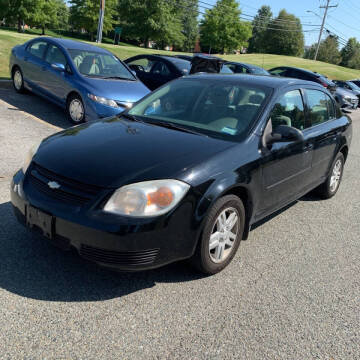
212	259
331	185
18	80
75	109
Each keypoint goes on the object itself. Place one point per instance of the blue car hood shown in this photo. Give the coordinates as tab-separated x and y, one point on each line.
121	90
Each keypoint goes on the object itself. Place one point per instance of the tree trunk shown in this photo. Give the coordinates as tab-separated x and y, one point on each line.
43	30
146	42
19	25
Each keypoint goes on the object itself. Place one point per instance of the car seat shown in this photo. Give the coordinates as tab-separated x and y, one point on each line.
89	66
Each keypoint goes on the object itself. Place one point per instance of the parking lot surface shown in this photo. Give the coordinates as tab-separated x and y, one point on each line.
291	292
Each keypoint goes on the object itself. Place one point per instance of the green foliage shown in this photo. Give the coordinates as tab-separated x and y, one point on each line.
45	15
156	20
350	54
284	35
257	42
190	24
17	11
222	30
84	14
329	50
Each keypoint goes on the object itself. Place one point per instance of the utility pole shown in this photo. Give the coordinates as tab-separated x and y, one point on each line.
101	21
326	7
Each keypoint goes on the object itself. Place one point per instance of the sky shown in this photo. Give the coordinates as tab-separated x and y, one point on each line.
343	20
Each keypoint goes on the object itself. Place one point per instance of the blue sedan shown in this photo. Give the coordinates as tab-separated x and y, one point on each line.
87	81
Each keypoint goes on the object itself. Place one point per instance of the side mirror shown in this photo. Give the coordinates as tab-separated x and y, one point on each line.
284	133
58	66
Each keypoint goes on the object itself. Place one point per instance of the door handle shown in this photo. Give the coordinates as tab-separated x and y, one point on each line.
309	146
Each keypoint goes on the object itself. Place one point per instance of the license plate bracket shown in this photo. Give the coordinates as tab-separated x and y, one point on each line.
36	218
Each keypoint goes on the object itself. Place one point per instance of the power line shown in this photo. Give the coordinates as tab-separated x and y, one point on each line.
322	25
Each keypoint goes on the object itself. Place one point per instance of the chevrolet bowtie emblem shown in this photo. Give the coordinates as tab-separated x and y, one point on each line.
53	185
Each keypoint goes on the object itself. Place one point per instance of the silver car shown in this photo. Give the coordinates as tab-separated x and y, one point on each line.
345	98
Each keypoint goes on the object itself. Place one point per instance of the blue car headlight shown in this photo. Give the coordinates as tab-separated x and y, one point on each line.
110	102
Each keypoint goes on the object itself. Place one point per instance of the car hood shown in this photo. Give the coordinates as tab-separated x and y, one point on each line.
114	151
120	90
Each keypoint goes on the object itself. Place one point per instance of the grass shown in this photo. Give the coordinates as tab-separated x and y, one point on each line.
8	39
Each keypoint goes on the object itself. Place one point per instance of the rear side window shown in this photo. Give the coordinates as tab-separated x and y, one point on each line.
37	48
321	107
279	72
289	110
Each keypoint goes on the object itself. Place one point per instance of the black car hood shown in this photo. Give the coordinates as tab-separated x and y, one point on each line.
113	152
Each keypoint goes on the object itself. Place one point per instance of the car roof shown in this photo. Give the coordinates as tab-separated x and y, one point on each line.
72	44
296	68
264	80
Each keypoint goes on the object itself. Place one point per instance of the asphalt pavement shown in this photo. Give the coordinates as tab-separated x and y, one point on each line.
291	292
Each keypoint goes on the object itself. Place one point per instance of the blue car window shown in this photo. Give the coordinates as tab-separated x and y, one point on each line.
37	48
55	56
97	64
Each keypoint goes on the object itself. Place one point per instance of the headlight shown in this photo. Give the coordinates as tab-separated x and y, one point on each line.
102	100
148	198
30	154
348	99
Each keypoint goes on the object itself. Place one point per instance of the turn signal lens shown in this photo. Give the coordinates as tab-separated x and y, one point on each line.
148	198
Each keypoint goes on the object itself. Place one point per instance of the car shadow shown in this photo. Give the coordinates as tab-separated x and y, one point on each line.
34	105
33	268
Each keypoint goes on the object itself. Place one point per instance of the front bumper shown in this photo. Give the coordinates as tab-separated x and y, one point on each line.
109	240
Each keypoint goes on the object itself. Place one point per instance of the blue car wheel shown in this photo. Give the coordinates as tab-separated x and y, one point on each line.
18	80
75	109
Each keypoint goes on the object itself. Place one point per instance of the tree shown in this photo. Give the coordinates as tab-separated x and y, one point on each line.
350	54
329	50
84	14
221	28
45	15
257	42
17	11
156	20
284	35
190	24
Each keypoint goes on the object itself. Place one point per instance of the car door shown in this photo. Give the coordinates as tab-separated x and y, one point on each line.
34	65
57	84
324	131
286	165
160	73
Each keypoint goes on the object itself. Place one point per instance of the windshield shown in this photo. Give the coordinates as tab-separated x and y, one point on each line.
225	109
353	86
96	64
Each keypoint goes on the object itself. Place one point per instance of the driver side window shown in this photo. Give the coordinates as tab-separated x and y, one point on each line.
289	110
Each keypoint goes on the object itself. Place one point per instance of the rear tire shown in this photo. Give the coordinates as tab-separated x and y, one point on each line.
330	187
221	236
75	109
18	80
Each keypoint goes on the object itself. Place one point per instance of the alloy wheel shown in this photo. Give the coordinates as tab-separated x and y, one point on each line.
18	80
76	110
223	234
336	175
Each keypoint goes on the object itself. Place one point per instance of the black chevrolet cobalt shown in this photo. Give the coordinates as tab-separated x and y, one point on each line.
186	172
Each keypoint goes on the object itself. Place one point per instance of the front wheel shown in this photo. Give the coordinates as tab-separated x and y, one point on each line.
75	109
220	239
18	80
329	188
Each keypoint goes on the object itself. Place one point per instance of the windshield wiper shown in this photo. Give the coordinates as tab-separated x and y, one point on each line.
175	127
131	117
117	78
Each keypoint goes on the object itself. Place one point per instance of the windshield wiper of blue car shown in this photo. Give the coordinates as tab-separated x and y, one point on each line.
118	78
174	127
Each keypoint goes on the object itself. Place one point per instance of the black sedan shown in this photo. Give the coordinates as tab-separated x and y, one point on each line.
186	172
303	74
157	70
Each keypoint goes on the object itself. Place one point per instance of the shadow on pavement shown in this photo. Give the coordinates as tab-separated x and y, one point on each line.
34	105
33	268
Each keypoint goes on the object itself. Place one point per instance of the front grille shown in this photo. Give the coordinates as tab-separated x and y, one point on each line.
125	258
70	191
